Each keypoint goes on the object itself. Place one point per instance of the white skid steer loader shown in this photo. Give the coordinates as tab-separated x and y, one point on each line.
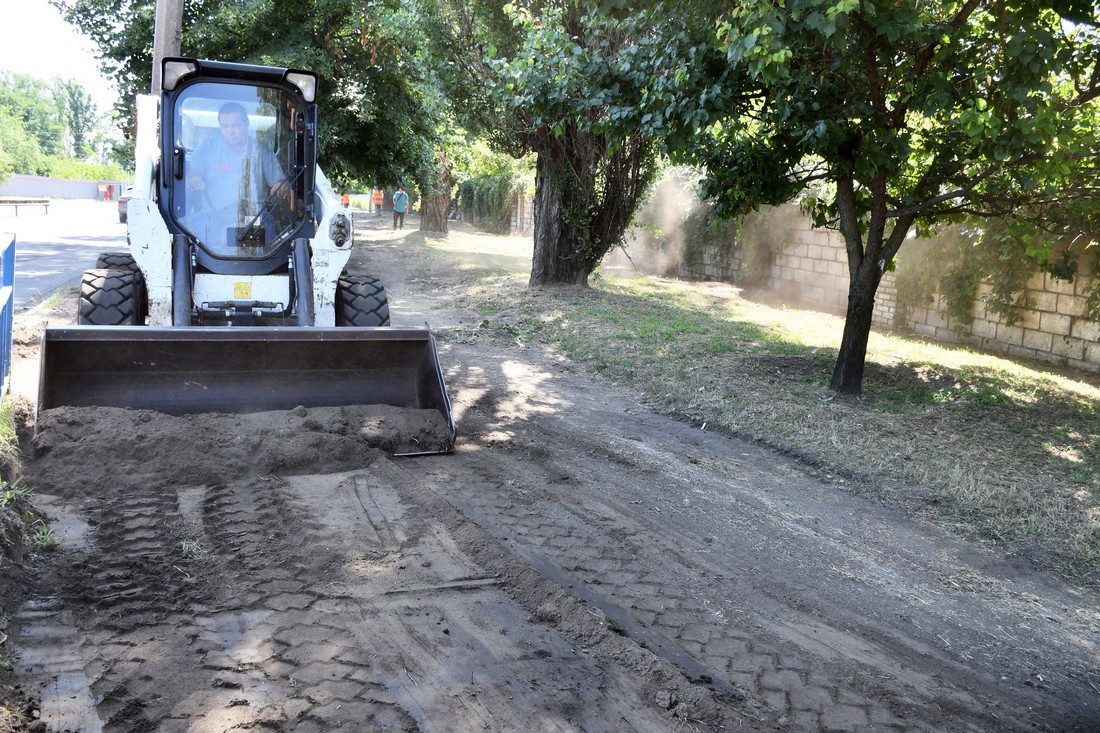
234	295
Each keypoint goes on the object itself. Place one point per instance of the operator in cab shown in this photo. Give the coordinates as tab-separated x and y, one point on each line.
236	182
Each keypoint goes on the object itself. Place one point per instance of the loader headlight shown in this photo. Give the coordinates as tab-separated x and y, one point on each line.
175	69
306	83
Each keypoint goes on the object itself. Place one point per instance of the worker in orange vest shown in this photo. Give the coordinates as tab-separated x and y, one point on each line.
378	197
345	200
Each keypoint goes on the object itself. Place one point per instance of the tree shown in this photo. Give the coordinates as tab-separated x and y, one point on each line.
44	124
593	165
78	113
901	115
123	35
436	202
21	150
7	165
462	76
30	101
379	121
543	78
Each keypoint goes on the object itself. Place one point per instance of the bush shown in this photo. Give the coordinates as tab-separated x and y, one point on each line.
489	200
488	184
78	170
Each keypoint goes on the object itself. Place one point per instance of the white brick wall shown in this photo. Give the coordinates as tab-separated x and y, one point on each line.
1056	331
812	270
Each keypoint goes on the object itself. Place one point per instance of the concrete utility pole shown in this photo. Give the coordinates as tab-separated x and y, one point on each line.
166	36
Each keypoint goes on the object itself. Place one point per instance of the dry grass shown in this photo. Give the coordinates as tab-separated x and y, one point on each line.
15	511
996	448
16	516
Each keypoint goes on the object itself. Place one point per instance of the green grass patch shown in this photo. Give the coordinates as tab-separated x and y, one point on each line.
20	525
1004	450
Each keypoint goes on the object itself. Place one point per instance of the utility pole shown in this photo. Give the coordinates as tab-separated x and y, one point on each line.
167	34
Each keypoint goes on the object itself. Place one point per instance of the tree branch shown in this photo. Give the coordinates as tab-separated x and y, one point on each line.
957	193
849	222
922	59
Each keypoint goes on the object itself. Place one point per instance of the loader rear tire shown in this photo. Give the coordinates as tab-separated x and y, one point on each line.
111	298
117	261
125	261
361	301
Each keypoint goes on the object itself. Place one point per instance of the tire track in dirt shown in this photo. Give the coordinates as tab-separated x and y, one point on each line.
471	656
241	651
111	597
346	601
680	541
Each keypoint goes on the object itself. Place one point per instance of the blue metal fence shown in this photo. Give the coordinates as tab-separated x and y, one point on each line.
7	307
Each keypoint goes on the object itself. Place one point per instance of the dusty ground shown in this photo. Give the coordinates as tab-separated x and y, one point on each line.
578	564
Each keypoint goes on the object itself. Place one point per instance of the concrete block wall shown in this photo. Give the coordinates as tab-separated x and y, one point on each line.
58	188
1057	332
813	267
810	268
711	265
522	214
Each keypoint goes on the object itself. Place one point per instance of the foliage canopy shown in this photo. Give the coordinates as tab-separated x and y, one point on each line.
894	116
43	124
381	115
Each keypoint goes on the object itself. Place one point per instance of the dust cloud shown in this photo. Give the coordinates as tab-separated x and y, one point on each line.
676	233
656	244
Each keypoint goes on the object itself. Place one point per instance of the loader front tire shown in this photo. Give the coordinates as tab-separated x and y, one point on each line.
111	298
361	301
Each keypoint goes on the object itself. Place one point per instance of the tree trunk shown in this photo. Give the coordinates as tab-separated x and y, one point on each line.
433	212
436	203
848	372
869	255
559	246
587	189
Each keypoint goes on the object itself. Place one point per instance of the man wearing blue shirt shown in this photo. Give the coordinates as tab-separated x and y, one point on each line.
400	204
233	177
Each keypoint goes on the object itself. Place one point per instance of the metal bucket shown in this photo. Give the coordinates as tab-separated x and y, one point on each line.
191	370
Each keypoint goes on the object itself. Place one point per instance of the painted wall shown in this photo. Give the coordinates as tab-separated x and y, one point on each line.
59	188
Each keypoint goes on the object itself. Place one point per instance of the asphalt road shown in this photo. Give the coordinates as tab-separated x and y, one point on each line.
53	249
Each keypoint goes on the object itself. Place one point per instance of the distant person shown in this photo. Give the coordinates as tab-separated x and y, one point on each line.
400	204
378	197
345	200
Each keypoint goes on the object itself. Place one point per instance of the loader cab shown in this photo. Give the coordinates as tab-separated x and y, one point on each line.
238	146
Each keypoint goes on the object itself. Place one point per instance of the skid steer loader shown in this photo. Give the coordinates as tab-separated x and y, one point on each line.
234	295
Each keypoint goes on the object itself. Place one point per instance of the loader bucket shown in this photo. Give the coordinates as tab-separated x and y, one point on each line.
191	370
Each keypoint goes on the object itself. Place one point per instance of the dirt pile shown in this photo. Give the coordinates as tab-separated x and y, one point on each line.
71	442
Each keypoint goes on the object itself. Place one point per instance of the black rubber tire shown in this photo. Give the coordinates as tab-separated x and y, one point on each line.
111	298
361	301
117	261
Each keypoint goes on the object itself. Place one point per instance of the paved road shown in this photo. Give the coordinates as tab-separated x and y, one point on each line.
54	249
